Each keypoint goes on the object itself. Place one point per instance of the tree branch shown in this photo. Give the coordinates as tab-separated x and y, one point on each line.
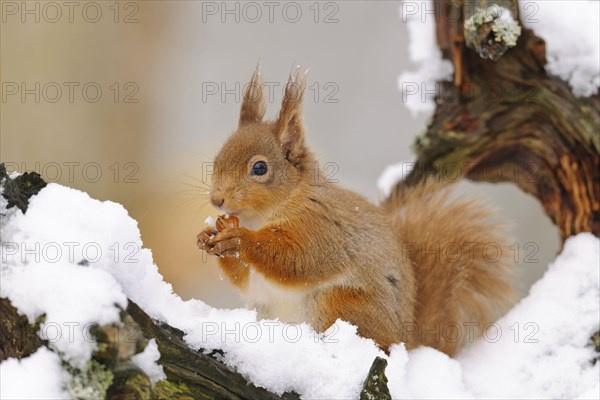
512	122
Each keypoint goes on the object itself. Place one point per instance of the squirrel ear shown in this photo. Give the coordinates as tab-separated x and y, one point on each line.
254	104
290	128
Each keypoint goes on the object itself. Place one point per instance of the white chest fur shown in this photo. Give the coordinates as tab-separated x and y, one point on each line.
275	301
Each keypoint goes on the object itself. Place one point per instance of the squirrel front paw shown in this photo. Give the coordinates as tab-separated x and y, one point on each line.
228	242
205	236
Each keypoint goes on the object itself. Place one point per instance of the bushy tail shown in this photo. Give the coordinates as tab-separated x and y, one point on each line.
461	262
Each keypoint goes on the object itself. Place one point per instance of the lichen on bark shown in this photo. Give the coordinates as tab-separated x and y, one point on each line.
490	31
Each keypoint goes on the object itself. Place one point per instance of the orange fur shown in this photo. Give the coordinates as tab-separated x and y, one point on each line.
349	304
308	250
461	259
236	271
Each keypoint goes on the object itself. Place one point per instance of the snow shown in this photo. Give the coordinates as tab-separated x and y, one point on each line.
418	87
571	30
39	376
294	357
591	394
210	221
92	297
547	358
40	274
563	306
424	373
393	174
147	359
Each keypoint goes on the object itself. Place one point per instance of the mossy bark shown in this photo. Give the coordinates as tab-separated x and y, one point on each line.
375	386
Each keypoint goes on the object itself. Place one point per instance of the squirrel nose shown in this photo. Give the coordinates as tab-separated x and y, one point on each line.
217	201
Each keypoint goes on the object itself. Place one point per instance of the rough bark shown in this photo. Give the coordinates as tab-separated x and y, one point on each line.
17	337
510	121
375	386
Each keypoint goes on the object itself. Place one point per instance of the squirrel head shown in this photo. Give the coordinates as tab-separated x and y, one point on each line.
263	163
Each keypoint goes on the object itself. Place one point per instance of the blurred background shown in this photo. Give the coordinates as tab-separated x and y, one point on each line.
129	101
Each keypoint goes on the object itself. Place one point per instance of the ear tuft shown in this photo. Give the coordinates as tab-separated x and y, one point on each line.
254	104
290	128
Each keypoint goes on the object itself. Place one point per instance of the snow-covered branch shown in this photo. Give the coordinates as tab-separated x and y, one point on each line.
88	321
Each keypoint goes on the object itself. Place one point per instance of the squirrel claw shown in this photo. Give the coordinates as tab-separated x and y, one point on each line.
204	237
226	243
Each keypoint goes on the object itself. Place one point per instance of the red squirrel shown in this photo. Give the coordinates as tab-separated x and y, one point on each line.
413	269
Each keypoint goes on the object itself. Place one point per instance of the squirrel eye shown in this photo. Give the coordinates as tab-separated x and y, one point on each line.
259	168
